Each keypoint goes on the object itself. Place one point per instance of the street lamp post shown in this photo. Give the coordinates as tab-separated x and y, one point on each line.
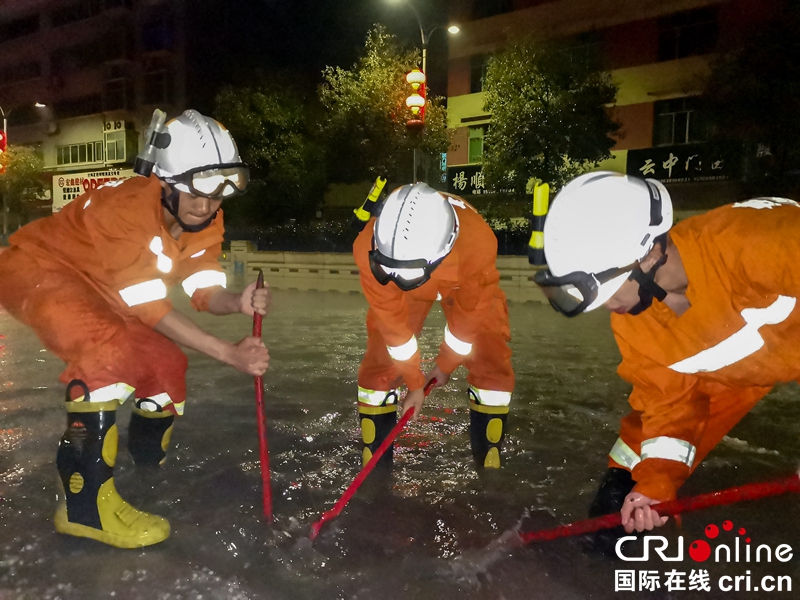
425	36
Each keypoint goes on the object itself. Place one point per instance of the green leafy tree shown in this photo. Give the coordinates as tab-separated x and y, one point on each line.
365	125
752	99
550	119
21	183
275	130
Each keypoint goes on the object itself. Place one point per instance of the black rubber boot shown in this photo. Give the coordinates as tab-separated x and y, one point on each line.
148	436
376	424
615	486
487	429
85	461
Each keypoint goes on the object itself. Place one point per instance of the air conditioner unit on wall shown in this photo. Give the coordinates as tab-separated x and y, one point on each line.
110	126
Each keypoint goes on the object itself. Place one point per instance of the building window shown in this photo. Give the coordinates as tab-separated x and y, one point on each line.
115	146
678	121
158	35
78	11
475	147
19	28
20	72
78	107
78	57
687	34
477	74
118	94
157	87
585	49
488	8
90	152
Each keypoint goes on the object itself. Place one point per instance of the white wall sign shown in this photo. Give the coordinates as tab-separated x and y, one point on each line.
68	187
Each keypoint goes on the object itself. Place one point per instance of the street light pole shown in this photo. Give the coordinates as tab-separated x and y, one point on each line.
425	36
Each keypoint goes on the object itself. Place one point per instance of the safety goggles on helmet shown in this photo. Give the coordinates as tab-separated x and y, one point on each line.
215	182
406	274
574	292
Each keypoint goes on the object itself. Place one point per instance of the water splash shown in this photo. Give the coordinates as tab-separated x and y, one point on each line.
471	564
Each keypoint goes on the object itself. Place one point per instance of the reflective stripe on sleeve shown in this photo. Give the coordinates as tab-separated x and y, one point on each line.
404	351
457	345
741	344
624	455
116	391
376	397
203	279
669	448
147	291
489	397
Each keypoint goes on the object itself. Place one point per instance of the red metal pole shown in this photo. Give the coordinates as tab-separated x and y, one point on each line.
362	475
262	420
750	491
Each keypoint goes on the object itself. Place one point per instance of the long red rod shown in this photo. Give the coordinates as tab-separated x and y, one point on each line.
362	475
750	491
262	420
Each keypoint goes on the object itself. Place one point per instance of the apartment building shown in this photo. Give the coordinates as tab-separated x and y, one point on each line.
79	80
657	53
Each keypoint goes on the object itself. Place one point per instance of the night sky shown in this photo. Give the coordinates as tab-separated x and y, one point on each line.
233	41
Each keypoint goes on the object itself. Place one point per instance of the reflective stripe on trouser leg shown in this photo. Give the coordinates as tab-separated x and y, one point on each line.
85	461
377	415
149	433
488	413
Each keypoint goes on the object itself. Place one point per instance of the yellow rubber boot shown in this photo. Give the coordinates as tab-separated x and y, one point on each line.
149	433
486	432
92	507
376	423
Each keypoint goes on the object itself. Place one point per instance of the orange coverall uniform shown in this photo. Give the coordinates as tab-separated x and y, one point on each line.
695	376
92	281
466	283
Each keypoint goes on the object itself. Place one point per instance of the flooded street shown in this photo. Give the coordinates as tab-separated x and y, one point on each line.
423	535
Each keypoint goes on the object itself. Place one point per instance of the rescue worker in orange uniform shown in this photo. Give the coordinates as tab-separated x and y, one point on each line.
426	246
92	282
722	333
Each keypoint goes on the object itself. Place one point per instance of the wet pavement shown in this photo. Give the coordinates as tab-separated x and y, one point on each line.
430	533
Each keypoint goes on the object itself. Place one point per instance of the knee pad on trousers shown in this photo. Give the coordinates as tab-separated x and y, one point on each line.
149	434
487	429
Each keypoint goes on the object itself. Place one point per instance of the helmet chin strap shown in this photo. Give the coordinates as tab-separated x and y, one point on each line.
171	202
648	288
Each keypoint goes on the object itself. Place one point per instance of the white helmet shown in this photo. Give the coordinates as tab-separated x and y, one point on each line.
600	225
415	231
200	157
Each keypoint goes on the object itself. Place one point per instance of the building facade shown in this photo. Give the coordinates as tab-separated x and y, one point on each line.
657	53
79	80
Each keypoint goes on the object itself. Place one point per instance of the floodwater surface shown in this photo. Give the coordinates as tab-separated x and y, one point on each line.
433	531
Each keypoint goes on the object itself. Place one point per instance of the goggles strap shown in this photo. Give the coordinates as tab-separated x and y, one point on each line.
648	288
172	201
